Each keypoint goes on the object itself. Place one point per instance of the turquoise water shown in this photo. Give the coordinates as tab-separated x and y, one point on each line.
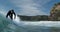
7	25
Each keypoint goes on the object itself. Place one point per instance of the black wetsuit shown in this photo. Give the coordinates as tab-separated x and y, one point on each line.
10	14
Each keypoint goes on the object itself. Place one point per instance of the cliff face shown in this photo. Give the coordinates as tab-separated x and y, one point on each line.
33	18
55	12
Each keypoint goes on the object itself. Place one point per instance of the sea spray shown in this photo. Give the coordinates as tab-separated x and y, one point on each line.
17	20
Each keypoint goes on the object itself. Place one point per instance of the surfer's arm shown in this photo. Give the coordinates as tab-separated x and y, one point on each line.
7	15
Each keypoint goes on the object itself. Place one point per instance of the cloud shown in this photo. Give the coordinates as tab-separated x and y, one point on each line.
42	2
29	7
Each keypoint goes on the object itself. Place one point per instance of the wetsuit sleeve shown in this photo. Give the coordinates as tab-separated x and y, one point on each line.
7	14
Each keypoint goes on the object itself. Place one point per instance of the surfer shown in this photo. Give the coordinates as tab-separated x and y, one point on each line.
10	14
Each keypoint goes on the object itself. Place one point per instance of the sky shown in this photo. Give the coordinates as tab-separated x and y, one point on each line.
27	7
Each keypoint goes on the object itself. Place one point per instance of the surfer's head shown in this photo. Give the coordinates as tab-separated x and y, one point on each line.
12	10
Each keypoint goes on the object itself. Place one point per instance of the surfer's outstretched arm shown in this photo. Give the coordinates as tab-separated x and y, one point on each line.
7	15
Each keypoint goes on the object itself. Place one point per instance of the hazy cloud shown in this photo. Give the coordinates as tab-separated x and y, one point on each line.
29	7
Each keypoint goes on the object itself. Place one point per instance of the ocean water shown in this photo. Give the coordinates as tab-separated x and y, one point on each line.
8	25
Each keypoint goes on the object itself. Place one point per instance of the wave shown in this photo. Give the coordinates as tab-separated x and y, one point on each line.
16	25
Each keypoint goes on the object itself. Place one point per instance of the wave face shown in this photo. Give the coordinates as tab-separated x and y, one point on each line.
16	25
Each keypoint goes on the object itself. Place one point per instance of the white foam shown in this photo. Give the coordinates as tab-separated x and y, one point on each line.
37	23
17	20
